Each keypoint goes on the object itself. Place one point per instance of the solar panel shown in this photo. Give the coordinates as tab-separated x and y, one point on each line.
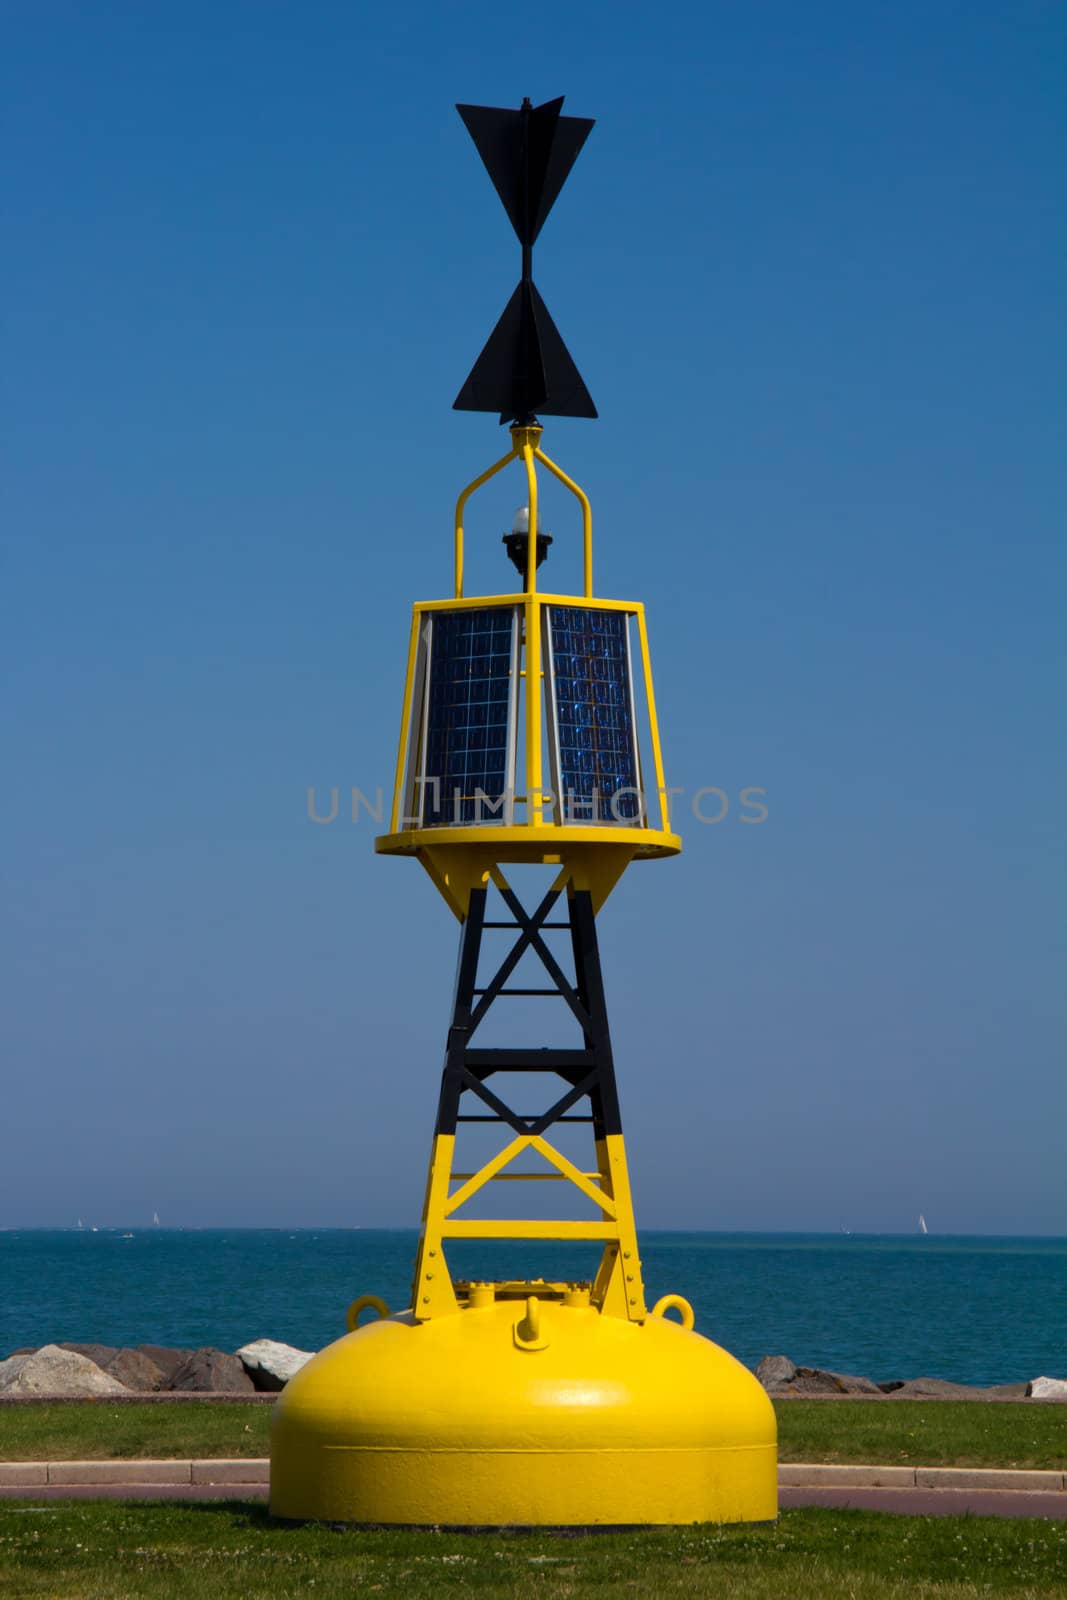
596	769
470	717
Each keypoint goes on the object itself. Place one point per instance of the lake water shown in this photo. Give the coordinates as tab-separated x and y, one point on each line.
976	1310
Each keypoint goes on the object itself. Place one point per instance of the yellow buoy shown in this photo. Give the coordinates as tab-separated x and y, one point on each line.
518	1411
528	739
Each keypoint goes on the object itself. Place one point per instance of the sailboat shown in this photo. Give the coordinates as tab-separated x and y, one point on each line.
155	1219
922	1224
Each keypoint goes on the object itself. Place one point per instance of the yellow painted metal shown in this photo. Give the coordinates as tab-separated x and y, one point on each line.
594	858
587	518
597	870
365	1302
432	1294
534	796
482	601
526	441
653	724
528	1177
618	1287
601	1196
460	507
454	869
405	724
522	842
675	1302
526	446
491	1417
527	437
528	1228
559	882
491	1169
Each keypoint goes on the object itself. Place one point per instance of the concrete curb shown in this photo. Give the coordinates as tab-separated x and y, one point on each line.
256	1470
38	1474
810	1475
136	1397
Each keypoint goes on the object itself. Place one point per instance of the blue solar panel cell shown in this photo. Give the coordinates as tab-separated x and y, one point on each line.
593	714
469	732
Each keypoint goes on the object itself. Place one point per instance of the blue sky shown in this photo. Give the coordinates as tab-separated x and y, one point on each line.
807	264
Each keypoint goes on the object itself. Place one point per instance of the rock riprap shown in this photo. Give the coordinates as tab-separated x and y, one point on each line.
1047	1388
166	1357
53	1370
269	1364
935	1389
774	1371
265	1366
210	1371
783	1379
134	1369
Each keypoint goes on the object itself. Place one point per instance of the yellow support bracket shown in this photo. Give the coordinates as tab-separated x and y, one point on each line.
503	1158
568	1170
530	1228
587	1183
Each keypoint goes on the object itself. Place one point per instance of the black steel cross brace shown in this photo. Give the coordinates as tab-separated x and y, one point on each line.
589	1071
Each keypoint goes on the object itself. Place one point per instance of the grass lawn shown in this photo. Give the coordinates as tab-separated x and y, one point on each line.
940	1433
232	1551
927	1433
97	1431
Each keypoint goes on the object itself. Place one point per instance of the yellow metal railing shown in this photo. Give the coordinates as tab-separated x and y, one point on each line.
526	446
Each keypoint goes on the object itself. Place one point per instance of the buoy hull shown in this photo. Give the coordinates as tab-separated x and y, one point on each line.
460	1422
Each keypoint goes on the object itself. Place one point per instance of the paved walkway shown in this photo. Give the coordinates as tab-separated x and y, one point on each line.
919	1491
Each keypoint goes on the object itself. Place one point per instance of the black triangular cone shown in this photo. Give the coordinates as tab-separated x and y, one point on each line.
525	367
498	136
567	394
509	375
528	155
548	174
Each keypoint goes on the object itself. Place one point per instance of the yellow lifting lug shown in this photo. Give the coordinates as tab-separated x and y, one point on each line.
366	1302
529	1330
675	1302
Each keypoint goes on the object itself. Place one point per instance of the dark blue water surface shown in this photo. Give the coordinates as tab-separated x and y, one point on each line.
971	1309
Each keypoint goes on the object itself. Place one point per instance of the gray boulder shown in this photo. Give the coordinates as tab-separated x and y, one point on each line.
54	1371
936	1389
210	1371
852	1383
133	1368
1047	1389
773	1371
166	1358
779	1376
816	1381
100	1353
269	1364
